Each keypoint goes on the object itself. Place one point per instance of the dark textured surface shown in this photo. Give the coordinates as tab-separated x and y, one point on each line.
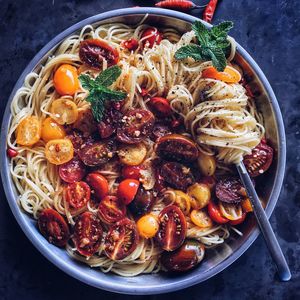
270	31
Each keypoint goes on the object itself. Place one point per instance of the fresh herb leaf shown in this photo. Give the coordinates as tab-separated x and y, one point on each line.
108	76
111	95
201	32
191	50
86	81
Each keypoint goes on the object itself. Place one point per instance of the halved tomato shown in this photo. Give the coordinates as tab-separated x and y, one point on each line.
229	75
238	221
142	202
230	190
132	172
132	155
64	111
183	201
215	214
77	195
127	190
151	36
52	130
59	151
72	171
99	185
201	219
111	210
28	131
160	106
230	211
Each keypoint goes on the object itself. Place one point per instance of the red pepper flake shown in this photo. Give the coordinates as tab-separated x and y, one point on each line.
175	123
144	92
209	11
12	153
182	5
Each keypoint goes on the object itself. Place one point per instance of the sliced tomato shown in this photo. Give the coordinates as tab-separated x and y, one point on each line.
201	219
121	240
53	227
215	214
77	195
151	36
127	190
230	211
85	122
64	111
72	171
111	210
28	131
230	190
98	184
160	106
132	172
229	75
238	221
159	130
131	44
59	151
172	228
87	234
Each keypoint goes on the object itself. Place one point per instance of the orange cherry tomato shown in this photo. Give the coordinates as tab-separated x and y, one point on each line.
52	130
246	205
215	214
29	131
64	111
147	226
66	80
201	219
238	221
127	190
229	75
59	151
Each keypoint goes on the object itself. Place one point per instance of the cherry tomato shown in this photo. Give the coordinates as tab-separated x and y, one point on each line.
215	214
52	130
99	185
85	122
230	211
259	160
210	181
201	219
59	151
229	75
93	52
142	202
72	171
230	190
132	155
176	147
246	205
11	152
77	195
28	131
132	172
121	240
64	111
238	221
111	210
207	164
87	234
110	122
147	226
183	201
172	228
151	36
127	190
137	124
160	106
131	44
53	227
200	195
77	139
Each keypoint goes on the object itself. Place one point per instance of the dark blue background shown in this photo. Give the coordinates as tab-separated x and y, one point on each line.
270	31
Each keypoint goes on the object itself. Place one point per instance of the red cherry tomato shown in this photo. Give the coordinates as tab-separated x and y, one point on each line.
215	214
87	234
238	221
12	153
77	195
92	52
72	171
230	190
131	44
152	37
132	172
98	184
127	190
172	228
160	106
111	210
121	239
53	227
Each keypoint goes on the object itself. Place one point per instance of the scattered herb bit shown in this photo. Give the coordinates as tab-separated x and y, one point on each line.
209	11
213	44
99	92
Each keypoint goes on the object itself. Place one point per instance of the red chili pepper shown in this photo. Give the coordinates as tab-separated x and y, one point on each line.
182	5
12	153
209	11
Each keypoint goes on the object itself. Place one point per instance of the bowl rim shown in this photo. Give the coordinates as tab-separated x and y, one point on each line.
72	270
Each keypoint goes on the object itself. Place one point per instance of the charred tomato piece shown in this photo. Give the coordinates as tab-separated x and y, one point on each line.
109	123
142	202
111	210
72	171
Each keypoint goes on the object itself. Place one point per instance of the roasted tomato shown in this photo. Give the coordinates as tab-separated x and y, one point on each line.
77	139
85	122
97	153
64	111
147	226
177	175
230	190
131	44
109	123
151	36
177	147
210	181
98	184
183	201
28	131
65	80
200	195
53	227
72	171
201	219
137	124
229	75
160	106
188	256
52	130
238	221
127	190
142	203
93	52
132	155
87	234
121	239
159	130
230	211
259	160
132	172
59	151
111	210
172	228
77	195
215	214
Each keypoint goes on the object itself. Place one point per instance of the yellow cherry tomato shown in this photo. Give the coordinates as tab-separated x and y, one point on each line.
132	155
64	111
59	151
229	75
147	226
246	205
183	201
28	131
207	164
66	80
231	211
52	130
201	219
200	195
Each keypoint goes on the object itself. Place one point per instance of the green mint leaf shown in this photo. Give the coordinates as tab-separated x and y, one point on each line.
98	109
108	76
86	81
201	32
107	94
217	57
222	29
191	50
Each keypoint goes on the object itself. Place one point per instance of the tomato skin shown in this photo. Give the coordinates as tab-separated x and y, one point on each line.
53	227
87	234
215	213
201	219
11	152
132	172
131	44
154	37
160	106
28	131
77	195
99	185
72	171
229	75
238	221
127	190
64	111
52	130
147	226
230	190
66	80
59	151
111	210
